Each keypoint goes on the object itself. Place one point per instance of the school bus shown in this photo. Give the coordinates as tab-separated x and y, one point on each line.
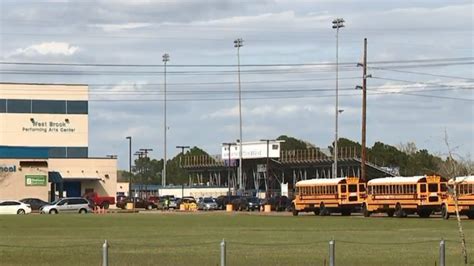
465	192
325	196
401	196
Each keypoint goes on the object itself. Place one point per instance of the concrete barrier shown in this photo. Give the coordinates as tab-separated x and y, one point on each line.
268	208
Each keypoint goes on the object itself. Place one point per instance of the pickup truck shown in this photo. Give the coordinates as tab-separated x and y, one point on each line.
101	201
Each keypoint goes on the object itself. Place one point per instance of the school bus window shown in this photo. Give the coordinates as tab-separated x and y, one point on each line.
361	188
422	188
352	188
443	187
343	188
433	187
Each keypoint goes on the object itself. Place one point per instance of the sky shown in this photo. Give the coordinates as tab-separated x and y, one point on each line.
420	56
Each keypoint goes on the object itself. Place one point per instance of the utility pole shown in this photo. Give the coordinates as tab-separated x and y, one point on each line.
182	153
237	44
337	23
145	152
166	58
364	114
267	168
129	165
229	145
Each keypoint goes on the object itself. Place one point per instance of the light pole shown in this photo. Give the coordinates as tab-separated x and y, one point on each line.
182	153
229	145
237	44
336	24
166	58
129	165
267	169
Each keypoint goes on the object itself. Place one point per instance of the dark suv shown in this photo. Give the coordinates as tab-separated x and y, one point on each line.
224	200
139	203
253	204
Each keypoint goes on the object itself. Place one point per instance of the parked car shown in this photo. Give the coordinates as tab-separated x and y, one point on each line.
67	205
185	200
14	207
253	204
35	203
154	199
223	200
172	204
278	203
239	204
139	203
101	201
207	204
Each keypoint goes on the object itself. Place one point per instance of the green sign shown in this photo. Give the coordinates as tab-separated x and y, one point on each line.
35	180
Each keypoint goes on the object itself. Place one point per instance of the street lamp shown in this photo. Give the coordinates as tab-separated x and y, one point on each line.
229	145
166	58
129	165
237	44
336	24
267	169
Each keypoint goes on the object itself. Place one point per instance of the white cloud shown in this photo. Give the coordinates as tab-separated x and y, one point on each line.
47	48
120	27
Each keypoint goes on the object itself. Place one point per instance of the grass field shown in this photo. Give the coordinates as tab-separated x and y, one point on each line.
193	239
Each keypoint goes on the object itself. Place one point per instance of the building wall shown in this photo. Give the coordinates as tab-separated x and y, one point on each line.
123	187
103	172
43	115
104	169
194	192
13	184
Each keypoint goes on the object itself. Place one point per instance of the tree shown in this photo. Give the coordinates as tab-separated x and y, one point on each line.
452	170
291	143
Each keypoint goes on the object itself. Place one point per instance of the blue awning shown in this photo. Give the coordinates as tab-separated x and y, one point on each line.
55	177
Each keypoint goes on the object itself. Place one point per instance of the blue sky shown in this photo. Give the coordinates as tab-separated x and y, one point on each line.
274	32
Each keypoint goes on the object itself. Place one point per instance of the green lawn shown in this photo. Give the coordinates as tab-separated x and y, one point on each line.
193	239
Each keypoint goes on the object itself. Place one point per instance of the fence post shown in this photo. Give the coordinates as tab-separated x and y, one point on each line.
332	253
105	254
442	250
223	251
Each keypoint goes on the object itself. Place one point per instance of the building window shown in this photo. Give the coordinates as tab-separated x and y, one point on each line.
77	107
3	106
18	106
49	107
57	152
77	152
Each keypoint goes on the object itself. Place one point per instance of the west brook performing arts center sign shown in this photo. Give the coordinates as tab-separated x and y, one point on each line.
49	126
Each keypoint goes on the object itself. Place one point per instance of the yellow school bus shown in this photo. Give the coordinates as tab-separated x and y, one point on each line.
401	196
325	196
465	192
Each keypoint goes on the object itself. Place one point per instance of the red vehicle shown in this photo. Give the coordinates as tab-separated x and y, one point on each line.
101	201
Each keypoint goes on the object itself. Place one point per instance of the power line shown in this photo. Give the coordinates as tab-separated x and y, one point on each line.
279	97
422	73
419	82
211	72
233	65
112	92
